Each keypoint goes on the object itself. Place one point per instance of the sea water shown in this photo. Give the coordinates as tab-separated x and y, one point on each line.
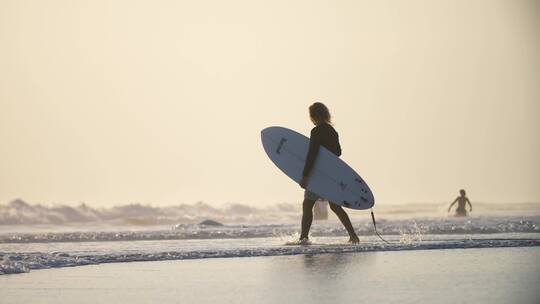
40	237
22	252
492	256
474	275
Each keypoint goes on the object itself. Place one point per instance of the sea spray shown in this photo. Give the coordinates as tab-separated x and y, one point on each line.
409	235
407	229
21	213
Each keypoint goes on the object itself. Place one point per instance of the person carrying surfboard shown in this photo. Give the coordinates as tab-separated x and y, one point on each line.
323	134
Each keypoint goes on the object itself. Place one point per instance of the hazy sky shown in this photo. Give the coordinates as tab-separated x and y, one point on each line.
162	102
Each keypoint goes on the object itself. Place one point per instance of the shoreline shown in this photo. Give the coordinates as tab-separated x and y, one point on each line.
421	276
15	262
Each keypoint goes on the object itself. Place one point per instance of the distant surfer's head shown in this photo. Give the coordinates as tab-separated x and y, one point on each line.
319	113
462	192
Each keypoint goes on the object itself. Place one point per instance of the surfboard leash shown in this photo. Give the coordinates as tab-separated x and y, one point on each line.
375	226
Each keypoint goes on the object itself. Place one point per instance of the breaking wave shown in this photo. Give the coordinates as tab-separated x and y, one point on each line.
19	212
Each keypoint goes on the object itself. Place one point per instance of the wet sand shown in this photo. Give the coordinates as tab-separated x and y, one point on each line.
494	275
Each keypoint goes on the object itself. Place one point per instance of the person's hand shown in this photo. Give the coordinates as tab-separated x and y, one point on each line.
303	182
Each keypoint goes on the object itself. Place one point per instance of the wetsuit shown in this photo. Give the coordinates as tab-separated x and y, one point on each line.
322	135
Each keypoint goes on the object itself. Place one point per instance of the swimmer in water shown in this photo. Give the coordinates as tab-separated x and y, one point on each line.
461	200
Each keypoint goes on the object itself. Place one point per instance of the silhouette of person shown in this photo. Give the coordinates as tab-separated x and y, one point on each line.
461	200
323	134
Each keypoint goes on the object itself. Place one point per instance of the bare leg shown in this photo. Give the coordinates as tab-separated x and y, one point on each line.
307	218
344	218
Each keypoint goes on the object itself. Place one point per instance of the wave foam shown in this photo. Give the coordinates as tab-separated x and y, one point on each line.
11	263
407	229
19	212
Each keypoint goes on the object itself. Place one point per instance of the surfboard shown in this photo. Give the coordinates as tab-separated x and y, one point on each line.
330	178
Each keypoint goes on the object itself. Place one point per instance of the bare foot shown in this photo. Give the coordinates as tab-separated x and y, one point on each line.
304	241
354	239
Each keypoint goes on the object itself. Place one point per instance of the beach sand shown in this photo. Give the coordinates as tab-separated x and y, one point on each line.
493	275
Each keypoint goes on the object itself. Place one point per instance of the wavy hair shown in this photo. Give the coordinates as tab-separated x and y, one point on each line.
320	113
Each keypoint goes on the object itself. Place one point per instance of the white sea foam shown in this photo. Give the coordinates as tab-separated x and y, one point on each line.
19	212
408	229
17	262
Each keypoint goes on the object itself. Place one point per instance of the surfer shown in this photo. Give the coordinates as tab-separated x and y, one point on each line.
461	200
323	134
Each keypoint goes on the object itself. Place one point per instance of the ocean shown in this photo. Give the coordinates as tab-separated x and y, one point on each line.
40	237
199	253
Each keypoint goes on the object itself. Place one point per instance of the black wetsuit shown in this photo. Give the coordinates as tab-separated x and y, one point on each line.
322	135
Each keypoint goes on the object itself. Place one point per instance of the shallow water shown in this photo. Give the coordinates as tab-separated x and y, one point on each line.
480	259
23	257
42	237
51	247
494	275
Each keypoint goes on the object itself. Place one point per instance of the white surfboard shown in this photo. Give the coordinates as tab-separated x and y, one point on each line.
330	177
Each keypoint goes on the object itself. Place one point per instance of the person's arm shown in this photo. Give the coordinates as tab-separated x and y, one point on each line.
470	206
314	145
452	204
